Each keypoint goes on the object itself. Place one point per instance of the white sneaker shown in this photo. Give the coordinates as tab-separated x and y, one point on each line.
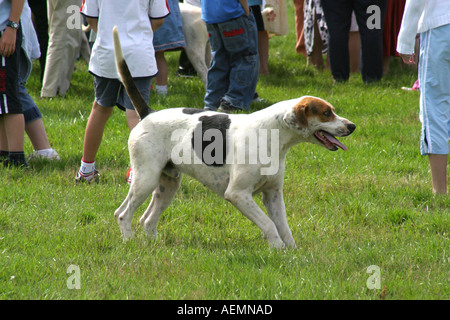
48	154
91	177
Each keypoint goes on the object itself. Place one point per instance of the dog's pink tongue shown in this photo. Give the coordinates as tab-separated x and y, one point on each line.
334	141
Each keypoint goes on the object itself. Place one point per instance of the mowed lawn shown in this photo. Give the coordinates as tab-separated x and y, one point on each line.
361	215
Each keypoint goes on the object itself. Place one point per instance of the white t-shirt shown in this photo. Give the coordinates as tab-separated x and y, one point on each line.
132	18
420	16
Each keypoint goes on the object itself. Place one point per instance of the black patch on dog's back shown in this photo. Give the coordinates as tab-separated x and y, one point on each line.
192	110
212	148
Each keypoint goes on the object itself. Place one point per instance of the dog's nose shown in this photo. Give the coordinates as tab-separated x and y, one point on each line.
351	127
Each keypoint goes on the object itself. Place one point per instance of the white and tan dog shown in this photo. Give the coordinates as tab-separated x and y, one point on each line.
172	142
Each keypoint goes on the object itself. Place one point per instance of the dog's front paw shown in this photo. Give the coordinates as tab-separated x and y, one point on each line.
276	243
127	234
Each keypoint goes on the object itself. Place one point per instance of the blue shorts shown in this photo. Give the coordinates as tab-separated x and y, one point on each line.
111	92
434	79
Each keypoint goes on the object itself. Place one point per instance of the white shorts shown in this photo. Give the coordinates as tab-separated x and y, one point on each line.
434	83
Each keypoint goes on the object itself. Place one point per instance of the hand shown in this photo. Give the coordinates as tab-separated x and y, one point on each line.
8	42
407	58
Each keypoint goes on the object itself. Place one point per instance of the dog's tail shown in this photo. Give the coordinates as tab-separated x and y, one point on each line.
139	103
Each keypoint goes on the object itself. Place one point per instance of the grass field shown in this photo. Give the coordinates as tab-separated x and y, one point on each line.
369	206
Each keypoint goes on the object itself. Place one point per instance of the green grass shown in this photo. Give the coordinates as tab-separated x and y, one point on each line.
370	205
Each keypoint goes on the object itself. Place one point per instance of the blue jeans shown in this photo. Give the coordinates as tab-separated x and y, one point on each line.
29	108
234	69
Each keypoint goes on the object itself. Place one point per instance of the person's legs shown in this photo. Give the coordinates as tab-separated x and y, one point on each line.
438	166
316	57
94	130
12	124
163	72
63	49
39	9
242	48
434	71
299	17
37	134
338	15
14	128
263	40
3	140
354	47
34	127
218	73
263	50
132	118
38	137
143	85
371	37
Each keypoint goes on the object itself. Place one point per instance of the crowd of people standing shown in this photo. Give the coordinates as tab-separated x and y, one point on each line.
341	35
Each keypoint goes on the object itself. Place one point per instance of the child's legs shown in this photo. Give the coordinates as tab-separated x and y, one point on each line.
132	118
240	40
163	69
13	128
37	134
11	111
94	130
3	139
263	40
34	125
438	166
434	77
143	84
106	92
218	73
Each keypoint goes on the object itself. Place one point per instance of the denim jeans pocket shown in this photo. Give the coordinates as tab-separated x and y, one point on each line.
234	35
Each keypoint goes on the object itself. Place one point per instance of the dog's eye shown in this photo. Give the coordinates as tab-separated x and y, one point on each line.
327	113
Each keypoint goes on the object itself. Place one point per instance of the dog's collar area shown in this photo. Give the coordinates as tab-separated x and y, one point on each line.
329	141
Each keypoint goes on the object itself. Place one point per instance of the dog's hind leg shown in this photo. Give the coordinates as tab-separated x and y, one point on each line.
142	185
273	200
161	199
197	58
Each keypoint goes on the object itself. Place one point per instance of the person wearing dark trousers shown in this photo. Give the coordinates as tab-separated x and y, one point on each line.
370	16
39	9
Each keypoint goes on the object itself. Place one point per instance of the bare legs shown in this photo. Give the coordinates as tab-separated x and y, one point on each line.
438	166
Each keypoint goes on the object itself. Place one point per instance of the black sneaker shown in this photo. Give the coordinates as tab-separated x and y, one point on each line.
226	107
186	72
16	164
256	97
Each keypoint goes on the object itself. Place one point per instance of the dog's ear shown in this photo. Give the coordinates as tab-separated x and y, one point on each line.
296	117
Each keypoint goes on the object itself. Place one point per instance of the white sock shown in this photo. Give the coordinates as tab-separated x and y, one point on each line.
87	168
161	89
